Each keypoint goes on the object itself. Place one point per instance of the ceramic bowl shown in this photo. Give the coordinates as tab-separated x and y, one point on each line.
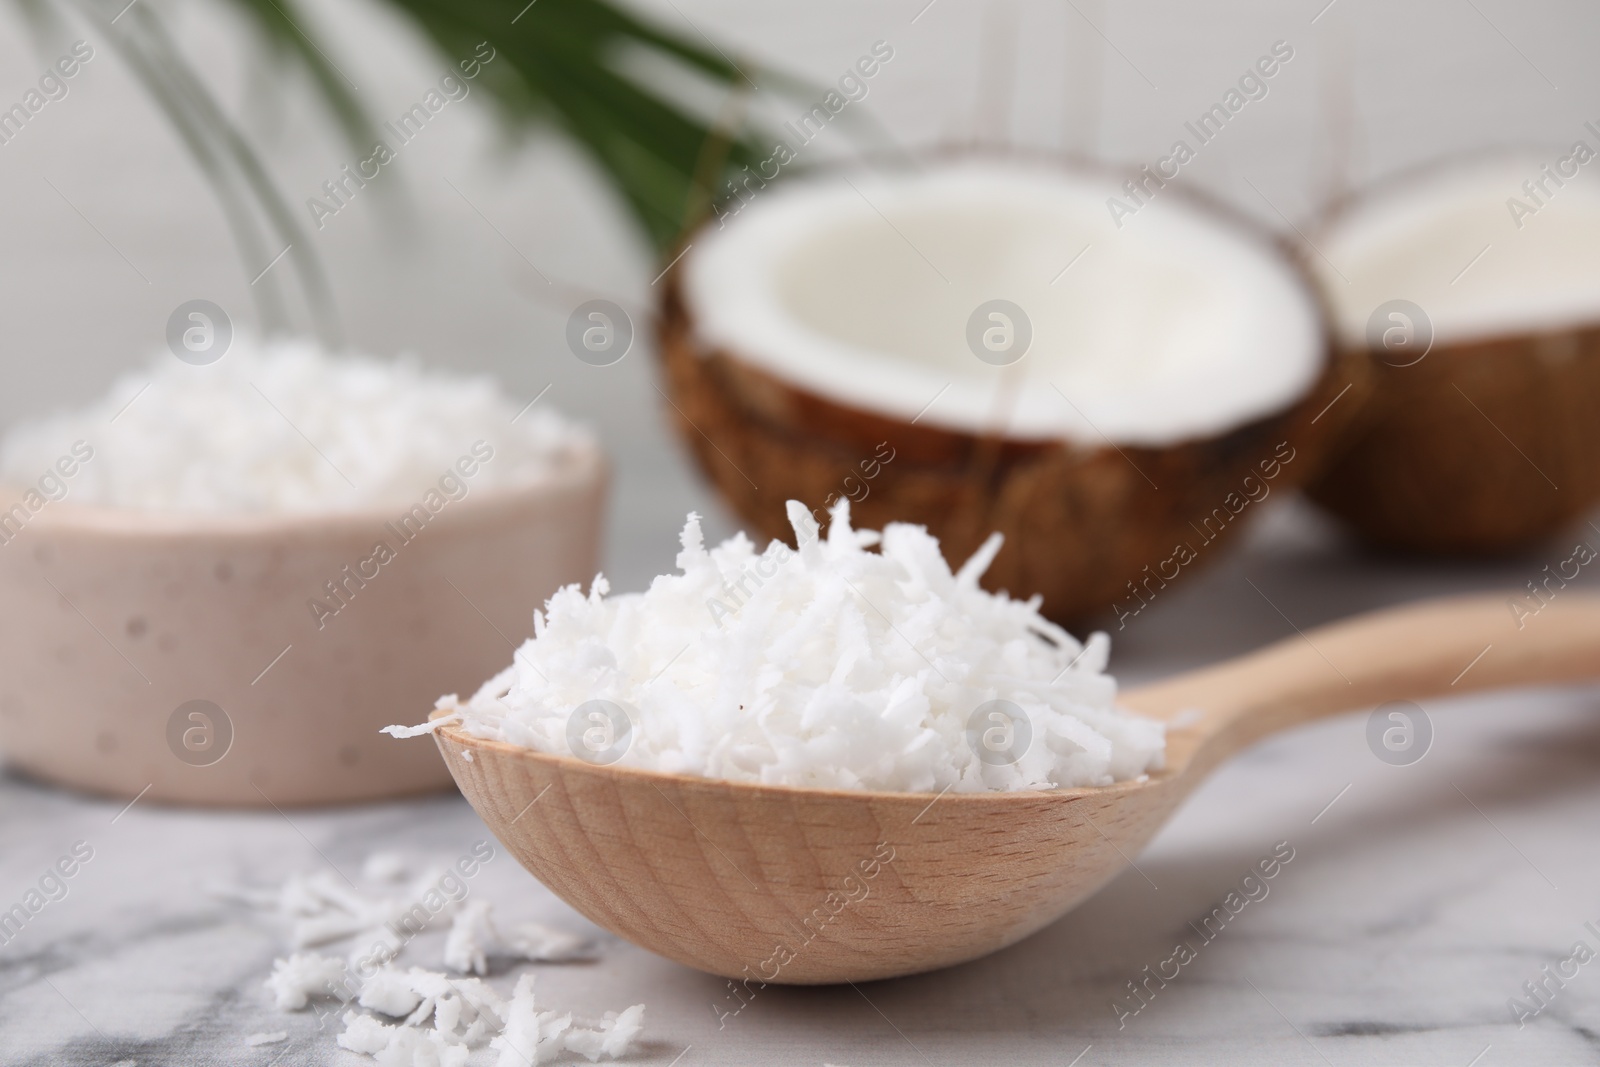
252	660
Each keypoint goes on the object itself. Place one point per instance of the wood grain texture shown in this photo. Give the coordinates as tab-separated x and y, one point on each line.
771	884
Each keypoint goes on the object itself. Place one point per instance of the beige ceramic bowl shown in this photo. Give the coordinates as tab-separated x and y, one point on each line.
182	654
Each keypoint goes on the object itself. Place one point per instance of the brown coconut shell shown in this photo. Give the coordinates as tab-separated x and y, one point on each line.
1091	529
1479	448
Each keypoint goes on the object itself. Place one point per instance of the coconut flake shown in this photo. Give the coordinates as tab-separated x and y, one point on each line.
391	993
471	937
363	1033
271	1038
475	936
830	666
304	975
422	728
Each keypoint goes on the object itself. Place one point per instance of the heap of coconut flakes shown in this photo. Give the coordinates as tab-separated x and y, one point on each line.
236	435
830	666
414	1017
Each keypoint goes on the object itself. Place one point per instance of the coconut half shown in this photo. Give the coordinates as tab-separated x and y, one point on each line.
979	346
1473	288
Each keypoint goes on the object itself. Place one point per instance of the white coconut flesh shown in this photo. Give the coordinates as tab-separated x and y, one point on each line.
1481	253
1177	325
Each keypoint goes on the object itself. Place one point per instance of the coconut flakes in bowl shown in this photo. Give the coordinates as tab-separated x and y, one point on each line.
285	426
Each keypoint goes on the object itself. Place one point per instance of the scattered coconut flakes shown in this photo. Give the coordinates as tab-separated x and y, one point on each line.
363	1033
471	936
304	975
267	1038
313	894
528	1036
612	1038
466	1013
408	1047
227	436
830	666
472	1012
482	998
322	908
391	993
474	937
313	930
532	1036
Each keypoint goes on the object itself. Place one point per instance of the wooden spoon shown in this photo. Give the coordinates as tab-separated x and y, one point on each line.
775	884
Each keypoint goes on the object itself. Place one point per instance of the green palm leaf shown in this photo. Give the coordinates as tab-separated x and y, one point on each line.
558	65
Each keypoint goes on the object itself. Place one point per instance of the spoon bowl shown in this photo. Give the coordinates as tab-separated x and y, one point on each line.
807	886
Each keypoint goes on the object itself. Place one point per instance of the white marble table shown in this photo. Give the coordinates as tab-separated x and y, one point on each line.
1419	899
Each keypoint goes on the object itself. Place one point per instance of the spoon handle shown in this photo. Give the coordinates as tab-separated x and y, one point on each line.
1433	648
